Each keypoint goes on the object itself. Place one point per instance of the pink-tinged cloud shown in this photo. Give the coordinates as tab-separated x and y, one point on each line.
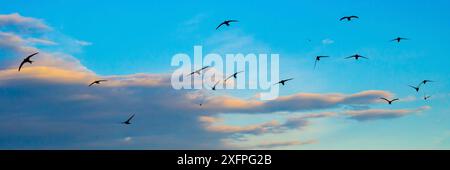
374	114
216	124
296	102
277	144
20	22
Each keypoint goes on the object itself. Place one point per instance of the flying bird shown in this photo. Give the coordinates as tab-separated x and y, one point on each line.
233	76
129	120
398	39
27	60
389	101
282	82
426	81
356	56
415	88
198	71
97	82
426	97
348	18
226	22
318	59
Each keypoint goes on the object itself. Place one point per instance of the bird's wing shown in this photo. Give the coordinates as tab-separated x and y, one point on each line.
233	21
395	100
350	57
220	25
354	16
315	63
32	55
289	79
129	119
343	18
190	74
216	83
204	68
91	84
228	78
235	74
382	98
102	80
21	64
414	87
363	57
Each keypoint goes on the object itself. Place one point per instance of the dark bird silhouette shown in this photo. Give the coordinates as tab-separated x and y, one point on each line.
97	82
426	81
426	97
198	71
389	101
318	59
356	56
226	22
398	39
415	88
348	18
27	60
233	76
282	82
128	121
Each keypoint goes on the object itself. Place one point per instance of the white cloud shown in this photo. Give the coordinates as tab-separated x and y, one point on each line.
327	41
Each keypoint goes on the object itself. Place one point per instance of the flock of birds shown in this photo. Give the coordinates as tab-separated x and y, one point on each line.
282	82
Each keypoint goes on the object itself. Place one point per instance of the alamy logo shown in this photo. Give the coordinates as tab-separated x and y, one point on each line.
232	71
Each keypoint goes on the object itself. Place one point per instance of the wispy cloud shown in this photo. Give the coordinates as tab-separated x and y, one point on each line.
327	41
374	114
22	23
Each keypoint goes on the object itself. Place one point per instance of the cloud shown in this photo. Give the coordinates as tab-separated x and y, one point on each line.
293	103
268	144
375	114
327	41
83	43
278	144
38	41
211	125
22	23
215	124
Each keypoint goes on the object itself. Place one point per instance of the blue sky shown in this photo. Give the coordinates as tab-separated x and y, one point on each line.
117	39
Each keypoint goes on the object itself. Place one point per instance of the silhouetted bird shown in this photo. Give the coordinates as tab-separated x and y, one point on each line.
426	97
348	18
198	71
282	82
415	88
233	75
398	39
97	82
389	101
129	120
227	23
27	60
318	59
426	81
356	56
